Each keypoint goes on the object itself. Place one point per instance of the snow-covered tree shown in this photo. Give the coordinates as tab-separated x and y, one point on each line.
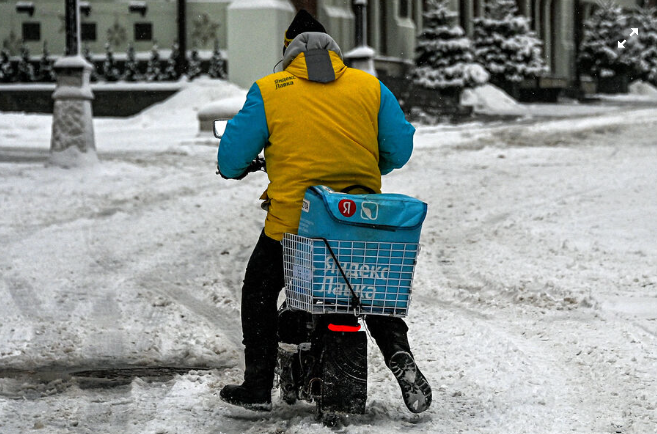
599	54
217	67
110	69
171	70
646	43
444	56
131	68
154	66
6	70
86	52
194	66
46	72
505	45
24	69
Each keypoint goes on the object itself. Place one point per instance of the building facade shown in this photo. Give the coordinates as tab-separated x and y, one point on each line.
250	31
117	22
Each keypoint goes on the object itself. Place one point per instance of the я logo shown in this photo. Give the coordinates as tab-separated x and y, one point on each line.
347	207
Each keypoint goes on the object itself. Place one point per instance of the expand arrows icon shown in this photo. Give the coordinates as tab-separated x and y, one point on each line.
635	31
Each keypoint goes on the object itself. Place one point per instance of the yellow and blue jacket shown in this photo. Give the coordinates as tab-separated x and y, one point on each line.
319	123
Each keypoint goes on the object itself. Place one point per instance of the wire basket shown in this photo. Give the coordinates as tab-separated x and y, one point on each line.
380	274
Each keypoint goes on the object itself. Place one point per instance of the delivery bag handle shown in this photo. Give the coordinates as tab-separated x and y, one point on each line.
355	186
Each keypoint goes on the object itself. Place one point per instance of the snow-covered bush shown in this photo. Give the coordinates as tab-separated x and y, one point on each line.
505	45
86	52
46	72
110	69
444	57
6	70
154	67
171	69
217	68
24	69
131	68
599	54
645	66
194	66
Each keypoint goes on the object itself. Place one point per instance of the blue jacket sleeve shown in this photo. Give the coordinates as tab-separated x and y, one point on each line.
245	136
395	134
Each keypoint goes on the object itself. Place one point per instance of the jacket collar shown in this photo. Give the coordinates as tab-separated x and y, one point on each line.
315	57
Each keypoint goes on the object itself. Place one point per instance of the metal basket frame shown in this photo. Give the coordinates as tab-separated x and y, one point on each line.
379	273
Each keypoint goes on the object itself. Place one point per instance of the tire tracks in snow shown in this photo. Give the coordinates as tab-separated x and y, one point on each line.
521	371
118	269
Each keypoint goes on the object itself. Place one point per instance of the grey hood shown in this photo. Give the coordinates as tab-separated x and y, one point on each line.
309	41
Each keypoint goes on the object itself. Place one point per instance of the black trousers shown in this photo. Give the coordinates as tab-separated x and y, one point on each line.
263	282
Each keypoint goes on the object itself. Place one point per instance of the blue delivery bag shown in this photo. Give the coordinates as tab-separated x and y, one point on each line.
364	217
375	239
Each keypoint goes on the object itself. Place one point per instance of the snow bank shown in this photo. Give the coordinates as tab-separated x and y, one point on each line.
174	120
193	98
489	98
642	88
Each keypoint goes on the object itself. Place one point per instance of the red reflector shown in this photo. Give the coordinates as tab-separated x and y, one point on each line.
343	328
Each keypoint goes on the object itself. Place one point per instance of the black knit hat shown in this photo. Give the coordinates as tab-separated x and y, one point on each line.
302	22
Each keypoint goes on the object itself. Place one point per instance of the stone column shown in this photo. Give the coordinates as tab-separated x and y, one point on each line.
72	143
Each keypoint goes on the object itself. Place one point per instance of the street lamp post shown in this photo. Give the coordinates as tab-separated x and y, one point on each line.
361	22
72	24
578	24
72	141
181	62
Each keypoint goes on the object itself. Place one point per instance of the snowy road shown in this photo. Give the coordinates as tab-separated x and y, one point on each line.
534	308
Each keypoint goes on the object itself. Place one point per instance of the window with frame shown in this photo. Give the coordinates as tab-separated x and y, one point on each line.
31	32
143	31
88	31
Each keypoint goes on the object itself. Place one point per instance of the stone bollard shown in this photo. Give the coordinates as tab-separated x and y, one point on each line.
72	143
222	110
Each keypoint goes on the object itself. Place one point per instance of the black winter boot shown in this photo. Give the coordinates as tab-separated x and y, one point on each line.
391	335
415	388
257	399
255	392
